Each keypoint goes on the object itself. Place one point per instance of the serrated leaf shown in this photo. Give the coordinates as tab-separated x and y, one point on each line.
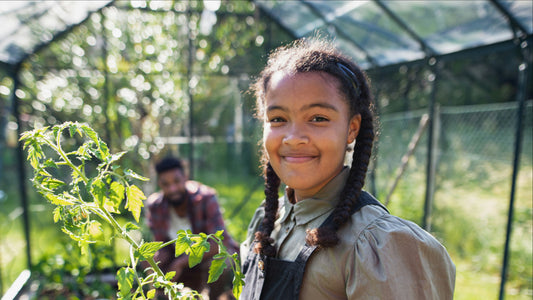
148	250
52	183
89	132
102	146
134	175
182	244
216	269
238	284
151	294
116	194
170	275
98	190
130	226
115	157
72	130
49	163
135	201
58	200
197	252
220	255
57	214
125	278
83	151
220	234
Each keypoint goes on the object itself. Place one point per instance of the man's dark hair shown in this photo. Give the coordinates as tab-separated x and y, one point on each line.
168	163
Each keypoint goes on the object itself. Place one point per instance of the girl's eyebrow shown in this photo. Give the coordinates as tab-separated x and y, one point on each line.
324	105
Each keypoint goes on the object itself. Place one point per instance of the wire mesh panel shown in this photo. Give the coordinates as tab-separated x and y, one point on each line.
475	163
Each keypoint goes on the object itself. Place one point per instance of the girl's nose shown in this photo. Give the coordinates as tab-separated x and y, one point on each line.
295	135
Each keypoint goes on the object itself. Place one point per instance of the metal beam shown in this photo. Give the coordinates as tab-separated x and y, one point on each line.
341	32
14	73
274	18
425	47
523	80
515	24
461	54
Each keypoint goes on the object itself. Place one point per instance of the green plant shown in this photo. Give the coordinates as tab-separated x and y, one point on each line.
98	186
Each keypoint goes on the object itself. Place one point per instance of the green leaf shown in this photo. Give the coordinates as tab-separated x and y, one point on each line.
72	130
35	153
83	152
98	190
151	294
130	226
52	183
198	249
125	278
135	201
50	163
216	269
219	235
58	200
89	132
170	275
57	214
116	194
238	284
134	175
115	157
147	250
182	243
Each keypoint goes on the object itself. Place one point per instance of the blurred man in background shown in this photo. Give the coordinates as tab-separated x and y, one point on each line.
183	204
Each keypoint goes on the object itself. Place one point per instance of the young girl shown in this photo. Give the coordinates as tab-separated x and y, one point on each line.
326	238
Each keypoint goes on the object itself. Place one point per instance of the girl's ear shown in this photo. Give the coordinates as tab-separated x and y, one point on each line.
355	124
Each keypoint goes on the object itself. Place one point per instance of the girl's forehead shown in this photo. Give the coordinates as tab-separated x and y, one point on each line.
301	91
283	79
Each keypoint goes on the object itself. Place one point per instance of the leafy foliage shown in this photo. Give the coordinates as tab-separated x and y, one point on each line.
83	201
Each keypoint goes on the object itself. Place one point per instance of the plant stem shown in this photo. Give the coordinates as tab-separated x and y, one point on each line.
61	153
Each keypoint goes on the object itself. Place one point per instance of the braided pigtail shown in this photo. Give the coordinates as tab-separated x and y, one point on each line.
272	183
326	236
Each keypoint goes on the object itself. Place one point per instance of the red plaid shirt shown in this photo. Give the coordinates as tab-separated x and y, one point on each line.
202	209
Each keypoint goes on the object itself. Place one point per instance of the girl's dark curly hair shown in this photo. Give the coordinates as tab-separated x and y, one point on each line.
317	55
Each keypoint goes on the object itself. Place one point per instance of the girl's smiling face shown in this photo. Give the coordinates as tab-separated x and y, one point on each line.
307	128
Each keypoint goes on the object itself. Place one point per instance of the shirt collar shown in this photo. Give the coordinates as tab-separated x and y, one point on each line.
321	203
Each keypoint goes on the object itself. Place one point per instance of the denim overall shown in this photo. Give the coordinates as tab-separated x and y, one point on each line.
269	278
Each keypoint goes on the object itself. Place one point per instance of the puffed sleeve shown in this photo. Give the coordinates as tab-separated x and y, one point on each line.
396	259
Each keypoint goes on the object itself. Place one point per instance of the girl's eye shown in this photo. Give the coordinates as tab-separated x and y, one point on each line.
319	119
276	120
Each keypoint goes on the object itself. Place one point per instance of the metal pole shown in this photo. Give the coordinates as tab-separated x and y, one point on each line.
431	166
190	93
109	122
14	73
521	97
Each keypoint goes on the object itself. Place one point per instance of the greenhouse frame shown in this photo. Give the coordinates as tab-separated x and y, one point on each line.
420	41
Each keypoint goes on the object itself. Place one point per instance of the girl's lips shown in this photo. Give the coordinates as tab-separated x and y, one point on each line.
298	159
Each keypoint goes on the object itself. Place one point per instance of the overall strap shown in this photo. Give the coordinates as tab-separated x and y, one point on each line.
301	262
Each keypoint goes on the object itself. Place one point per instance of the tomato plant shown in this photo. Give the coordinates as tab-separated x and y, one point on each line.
95	191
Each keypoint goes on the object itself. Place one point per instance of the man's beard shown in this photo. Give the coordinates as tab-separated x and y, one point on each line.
176	199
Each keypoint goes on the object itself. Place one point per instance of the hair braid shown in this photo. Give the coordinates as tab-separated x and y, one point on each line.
264	245
327	236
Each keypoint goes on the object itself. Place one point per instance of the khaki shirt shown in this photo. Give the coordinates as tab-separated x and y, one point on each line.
379	256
